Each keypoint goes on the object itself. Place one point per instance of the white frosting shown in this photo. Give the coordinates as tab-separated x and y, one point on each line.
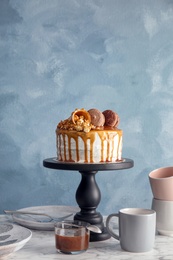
108	150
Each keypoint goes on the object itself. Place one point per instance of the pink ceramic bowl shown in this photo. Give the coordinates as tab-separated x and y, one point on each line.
161	182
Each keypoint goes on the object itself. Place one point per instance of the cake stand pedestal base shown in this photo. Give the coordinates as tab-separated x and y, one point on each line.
88	194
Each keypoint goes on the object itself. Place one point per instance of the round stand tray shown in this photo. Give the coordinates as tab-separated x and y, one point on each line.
53	163
88	195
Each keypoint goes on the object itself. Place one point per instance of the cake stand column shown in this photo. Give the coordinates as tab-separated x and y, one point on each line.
88	197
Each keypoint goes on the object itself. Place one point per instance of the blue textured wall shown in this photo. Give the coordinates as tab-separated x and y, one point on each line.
58	55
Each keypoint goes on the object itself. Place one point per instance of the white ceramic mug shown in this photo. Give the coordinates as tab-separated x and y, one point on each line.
164	216
137	228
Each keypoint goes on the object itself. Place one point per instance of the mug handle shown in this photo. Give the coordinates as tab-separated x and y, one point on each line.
109	229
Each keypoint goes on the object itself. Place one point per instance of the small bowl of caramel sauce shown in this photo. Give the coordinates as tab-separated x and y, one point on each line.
71	237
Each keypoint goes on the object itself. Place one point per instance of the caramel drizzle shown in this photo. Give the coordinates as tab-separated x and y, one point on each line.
104	136
109	137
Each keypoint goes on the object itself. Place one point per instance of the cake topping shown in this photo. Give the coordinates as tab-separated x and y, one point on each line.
97	117
82	120
111	118
80	115
79	120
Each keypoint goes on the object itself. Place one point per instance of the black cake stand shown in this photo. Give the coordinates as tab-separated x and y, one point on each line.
88	194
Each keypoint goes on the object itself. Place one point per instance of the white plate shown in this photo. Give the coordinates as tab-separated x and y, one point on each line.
12	238
54	211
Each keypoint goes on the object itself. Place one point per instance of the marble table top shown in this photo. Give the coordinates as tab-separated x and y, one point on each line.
42	246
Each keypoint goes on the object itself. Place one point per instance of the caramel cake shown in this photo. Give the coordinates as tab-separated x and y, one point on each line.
89	137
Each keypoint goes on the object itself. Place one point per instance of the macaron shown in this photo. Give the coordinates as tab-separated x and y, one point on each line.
97	117
111	118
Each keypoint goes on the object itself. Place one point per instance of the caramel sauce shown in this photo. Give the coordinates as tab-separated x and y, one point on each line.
71	243
106	135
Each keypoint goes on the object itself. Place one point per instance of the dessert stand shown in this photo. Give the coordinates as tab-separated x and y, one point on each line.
88	194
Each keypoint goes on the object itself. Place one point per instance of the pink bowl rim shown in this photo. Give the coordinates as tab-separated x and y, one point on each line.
154	172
